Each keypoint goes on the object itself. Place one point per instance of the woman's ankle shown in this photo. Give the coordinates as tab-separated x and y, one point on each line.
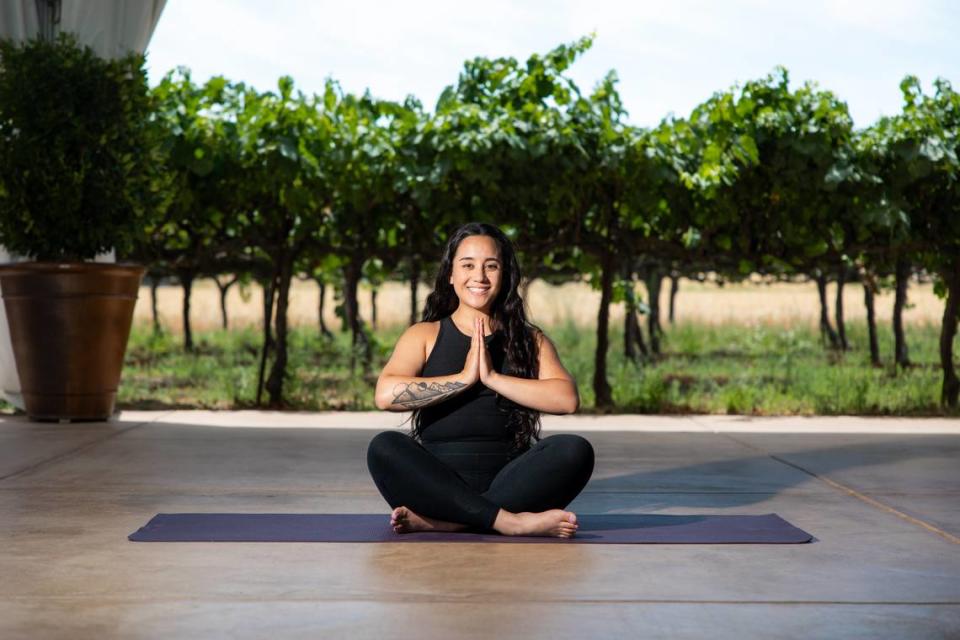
506	522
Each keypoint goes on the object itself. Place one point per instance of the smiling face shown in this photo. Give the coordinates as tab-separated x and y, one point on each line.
476	274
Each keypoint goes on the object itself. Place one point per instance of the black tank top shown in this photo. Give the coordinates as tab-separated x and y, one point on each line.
472	415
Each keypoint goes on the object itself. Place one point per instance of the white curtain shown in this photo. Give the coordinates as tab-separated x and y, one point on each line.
110	27
18	19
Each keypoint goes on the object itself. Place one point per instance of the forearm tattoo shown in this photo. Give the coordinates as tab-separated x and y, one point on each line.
417	394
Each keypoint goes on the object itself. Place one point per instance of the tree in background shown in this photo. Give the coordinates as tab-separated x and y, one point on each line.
919	156
288	193
759	179
200	228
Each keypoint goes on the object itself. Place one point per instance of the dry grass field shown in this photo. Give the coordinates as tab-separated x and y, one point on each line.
742	349
781	304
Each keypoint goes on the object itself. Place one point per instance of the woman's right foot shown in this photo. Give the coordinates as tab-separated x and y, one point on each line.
553	523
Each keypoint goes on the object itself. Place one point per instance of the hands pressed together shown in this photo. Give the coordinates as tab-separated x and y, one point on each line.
479	364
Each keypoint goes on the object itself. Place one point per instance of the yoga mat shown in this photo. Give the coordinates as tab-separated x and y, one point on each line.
344	527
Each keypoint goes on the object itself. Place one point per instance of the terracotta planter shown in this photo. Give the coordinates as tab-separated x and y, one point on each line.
69	325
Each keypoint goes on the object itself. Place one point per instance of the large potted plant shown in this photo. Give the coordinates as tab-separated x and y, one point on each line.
79	175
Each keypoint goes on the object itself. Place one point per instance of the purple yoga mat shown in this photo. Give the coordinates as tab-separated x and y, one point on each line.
352	527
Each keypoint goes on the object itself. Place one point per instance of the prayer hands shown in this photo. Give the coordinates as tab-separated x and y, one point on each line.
479	364
485	363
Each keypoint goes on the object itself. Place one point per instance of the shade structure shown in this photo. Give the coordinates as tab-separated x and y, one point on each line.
112	28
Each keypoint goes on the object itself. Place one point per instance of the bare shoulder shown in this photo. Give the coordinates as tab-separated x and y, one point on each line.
430	331
539	337
550	365
410	353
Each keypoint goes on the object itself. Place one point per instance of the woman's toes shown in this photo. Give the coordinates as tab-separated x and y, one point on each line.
399	519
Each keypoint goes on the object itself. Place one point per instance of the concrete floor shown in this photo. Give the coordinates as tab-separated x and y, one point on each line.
880	496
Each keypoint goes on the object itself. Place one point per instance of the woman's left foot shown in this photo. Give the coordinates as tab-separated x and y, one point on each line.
404	520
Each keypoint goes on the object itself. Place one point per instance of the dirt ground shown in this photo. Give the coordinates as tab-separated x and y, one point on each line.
548	305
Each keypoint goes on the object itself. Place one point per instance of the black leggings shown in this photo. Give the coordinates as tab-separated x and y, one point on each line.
469	482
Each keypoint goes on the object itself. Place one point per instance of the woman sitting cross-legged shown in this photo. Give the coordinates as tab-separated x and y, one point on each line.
477	375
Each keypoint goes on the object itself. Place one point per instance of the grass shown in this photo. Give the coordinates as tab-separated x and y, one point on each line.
756	370
738	369
771	370
222	372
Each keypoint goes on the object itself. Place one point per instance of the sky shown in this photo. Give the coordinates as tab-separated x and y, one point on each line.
669	56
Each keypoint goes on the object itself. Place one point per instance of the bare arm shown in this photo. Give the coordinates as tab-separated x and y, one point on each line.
554	392
552	395
406	393
400	387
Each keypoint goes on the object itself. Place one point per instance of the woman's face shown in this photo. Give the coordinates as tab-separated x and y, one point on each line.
476	275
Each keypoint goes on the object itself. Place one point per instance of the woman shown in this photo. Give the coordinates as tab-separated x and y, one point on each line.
477	375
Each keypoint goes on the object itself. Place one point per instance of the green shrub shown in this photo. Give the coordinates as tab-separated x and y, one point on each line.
79	160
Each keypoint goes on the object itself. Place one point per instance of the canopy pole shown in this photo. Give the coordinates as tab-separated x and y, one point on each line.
48	16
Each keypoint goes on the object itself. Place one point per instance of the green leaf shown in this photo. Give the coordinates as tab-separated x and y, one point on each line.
691	237
816	248
749	146
745	107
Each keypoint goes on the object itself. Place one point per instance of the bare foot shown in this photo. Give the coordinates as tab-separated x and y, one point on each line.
404	520
554	523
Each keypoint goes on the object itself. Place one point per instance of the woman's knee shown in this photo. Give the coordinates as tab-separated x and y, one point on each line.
575	449
384	446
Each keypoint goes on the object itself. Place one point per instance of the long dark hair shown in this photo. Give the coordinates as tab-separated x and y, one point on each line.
520	341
